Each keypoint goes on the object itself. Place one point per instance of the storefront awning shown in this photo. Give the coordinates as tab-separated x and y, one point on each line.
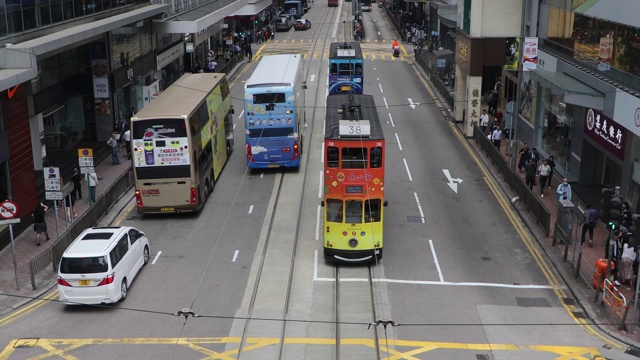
198	20
252	8
449	17
574	91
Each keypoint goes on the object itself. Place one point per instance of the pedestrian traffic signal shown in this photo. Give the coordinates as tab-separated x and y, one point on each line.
615	211
605	205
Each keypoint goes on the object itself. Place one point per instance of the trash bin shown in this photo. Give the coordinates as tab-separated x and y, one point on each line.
601	270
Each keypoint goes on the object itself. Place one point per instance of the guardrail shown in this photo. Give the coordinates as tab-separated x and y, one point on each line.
88	219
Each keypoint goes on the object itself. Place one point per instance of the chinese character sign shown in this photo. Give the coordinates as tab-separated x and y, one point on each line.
530	55
606	132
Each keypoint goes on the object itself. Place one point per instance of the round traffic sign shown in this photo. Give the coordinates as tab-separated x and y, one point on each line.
8	209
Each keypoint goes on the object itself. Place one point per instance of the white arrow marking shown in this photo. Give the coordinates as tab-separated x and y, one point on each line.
453	183
313	77
412	104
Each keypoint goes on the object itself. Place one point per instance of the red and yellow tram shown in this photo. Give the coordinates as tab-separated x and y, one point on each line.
354	152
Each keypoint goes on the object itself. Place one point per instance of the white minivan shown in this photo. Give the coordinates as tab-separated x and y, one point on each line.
100	265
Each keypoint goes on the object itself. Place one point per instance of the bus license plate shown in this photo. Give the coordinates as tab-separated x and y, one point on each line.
84	282
167	209
273	165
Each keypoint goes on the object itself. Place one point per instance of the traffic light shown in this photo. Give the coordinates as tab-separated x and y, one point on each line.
605	205
615	212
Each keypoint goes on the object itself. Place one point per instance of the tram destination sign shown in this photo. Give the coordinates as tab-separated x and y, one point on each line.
354	128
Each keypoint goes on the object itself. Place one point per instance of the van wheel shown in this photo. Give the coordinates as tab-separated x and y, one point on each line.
145	255
123	290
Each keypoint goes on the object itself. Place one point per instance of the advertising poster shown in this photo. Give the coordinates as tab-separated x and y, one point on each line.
530	55
512	54
604	53
161	145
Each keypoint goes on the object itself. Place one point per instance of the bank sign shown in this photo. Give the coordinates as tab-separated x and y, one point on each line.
606	132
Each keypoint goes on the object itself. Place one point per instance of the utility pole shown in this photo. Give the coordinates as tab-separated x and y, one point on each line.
513	140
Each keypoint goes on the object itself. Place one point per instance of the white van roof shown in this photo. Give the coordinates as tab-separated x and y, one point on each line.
96	240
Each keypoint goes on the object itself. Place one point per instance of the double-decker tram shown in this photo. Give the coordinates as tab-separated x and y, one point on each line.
346	68
354	151
180	142
274	112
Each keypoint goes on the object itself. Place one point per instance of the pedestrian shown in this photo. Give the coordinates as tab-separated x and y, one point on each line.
92	179
530	174
70	202
248	52
626	269
484	121
535	155
543	172
498	116
211	66
127	143
113	143
552	164
525	154
77	187
122	127
563	192
590	219
39	222
496	137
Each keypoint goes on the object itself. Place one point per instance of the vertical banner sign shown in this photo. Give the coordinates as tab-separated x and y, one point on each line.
530	55
100	70
606	132
604	54
512	54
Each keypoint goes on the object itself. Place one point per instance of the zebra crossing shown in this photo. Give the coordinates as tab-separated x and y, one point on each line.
371	50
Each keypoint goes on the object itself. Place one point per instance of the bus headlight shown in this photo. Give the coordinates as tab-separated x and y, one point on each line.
353	243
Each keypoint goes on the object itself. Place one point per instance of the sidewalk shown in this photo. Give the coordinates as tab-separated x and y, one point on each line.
26	249
581	287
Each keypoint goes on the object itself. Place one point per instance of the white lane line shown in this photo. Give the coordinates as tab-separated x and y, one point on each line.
156	258
320	186
235	256
315	265
234	126
322	152
318	222
381	88
240	116
407	167
261	175
435	260
385	102
391	119
250	209
398	140
419	207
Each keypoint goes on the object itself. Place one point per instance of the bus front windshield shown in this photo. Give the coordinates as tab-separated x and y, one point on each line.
160	149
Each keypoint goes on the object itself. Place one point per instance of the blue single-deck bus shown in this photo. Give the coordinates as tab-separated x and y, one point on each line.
346	68
274	112
295	8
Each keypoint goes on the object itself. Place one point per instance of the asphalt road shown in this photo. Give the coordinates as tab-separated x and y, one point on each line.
460	275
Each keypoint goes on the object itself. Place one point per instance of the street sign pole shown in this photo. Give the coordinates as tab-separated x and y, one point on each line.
13	250
55	213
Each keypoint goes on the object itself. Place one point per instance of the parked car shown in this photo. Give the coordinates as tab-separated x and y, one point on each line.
302	24
284	22
100	265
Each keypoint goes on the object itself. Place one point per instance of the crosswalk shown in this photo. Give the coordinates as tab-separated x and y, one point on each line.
371	50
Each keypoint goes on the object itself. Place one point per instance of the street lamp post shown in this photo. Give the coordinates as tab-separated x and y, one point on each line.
512	138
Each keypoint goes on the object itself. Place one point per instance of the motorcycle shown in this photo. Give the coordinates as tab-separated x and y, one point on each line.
396	51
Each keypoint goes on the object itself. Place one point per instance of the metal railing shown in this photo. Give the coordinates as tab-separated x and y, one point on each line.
89	219
513	180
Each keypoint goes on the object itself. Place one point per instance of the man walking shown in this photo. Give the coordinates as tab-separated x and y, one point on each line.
563	192
530	174
114	149
544	170
92	179
590	218
484	121
496	137
127	142
77	187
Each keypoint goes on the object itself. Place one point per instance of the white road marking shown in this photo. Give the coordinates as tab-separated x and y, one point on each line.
235	256
156	258
435	260
250	209
391	120
322	153
385	102
234	126
320	186
380	85
261	175
398	140
421	282
318	222
419	207
407	167
240	116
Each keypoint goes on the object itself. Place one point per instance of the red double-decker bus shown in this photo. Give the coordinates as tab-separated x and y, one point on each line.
332	3
354	151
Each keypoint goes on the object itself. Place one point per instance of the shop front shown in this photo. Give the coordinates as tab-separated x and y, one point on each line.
169	62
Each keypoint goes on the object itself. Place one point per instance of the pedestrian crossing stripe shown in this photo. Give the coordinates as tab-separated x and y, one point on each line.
318	56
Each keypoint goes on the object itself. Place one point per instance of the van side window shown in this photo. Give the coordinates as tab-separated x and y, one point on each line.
119	251
134	235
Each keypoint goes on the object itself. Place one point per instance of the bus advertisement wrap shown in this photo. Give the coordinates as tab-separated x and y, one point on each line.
160	148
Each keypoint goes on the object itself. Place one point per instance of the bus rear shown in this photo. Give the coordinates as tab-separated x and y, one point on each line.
272	128
162	164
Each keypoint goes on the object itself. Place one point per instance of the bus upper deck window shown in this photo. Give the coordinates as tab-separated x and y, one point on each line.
334	69
358	69
345	69
376	157
332	157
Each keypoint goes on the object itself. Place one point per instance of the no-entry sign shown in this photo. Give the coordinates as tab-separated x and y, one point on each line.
8	209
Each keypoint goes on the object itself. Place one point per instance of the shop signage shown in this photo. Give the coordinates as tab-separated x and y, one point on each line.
530	56
606	132
189	47
167	57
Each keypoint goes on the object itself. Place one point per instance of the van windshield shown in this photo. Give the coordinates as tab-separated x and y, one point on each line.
85	265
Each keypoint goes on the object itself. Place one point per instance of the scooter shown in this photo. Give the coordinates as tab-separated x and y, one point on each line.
396	51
